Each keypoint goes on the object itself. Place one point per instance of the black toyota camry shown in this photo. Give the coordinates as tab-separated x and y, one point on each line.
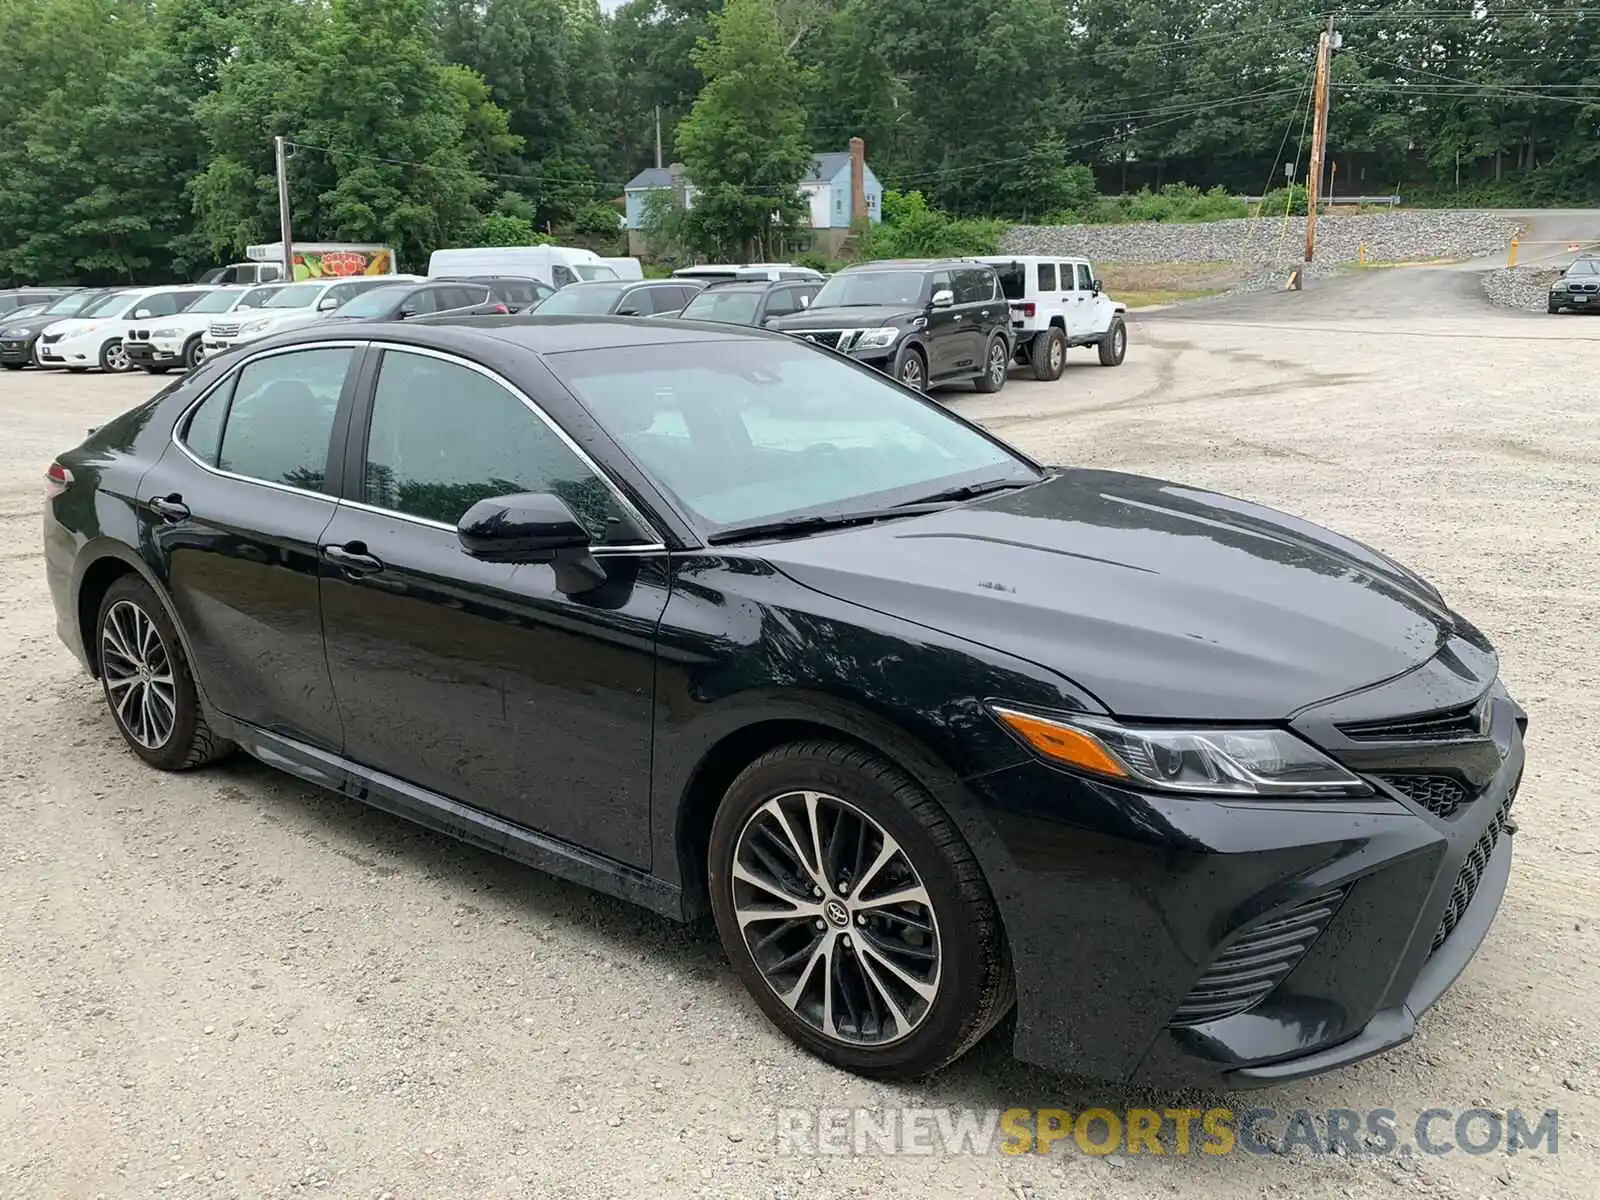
719	621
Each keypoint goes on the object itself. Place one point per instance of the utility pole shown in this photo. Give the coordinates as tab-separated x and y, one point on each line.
1319	139
658	137
284	231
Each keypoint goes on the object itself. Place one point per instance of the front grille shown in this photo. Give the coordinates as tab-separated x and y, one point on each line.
1257	960
1583	287
1445	725
834	339
141	335
1471	873
225	329
1441	795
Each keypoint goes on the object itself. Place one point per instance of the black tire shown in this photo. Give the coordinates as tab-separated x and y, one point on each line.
114	359
189	741
1555	308
193	353
1048	354
996	363
13	366
911	368
1114	344
972	982
151	370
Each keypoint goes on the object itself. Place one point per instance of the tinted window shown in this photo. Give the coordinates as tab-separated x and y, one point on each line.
783	301
204	433
591	298
1085	277
516	292
1047	277
444	437
1068	277
751	430
730	306
280	419
973	287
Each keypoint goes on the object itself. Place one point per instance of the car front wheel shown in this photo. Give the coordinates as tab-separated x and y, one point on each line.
1114	344
147	682
854	912
114	358
911	369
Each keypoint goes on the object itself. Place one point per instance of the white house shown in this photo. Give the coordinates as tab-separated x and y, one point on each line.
829	185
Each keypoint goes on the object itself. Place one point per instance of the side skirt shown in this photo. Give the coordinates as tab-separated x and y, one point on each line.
457	820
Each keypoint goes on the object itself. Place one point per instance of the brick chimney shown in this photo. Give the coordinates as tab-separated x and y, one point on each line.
858	180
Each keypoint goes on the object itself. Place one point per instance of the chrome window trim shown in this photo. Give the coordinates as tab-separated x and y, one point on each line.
627	506
187	413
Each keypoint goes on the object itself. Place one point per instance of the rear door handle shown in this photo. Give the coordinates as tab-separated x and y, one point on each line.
170	508
353	559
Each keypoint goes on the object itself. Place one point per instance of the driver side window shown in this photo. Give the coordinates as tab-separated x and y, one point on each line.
444	436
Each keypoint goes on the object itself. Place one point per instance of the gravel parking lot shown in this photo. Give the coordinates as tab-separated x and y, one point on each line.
227	984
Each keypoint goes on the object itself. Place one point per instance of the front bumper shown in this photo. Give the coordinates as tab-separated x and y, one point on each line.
1576	300
80	351
1120	905
17	350
155	352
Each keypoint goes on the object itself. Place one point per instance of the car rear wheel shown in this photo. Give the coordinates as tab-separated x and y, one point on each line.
1114	344
147	682
854	912
193	353
156	370
911	369
13	366
996	362
114	357
1048	355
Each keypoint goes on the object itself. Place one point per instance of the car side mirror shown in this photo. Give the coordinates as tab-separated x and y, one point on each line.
532	527
141	314
408	311
327	304
1094	286
943	298
627	312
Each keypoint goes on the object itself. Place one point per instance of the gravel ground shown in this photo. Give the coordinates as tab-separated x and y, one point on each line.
1388	236
1520	287
228	984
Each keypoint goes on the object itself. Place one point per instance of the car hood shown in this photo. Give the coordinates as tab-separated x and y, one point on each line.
30	326
855	317
1161	600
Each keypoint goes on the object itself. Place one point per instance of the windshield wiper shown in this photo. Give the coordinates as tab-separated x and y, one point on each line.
793	526
969	490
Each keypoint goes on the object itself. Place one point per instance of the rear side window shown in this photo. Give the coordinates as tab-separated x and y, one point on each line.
1067	277
973	287
1047	277
274	419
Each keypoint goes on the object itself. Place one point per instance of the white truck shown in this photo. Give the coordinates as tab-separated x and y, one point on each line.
1056	304
553	265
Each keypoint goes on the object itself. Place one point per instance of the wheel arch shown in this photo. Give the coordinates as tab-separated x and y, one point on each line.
736	748
103	563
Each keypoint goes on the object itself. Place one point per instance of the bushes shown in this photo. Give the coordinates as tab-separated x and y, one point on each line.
911	229
1174	203
1279	201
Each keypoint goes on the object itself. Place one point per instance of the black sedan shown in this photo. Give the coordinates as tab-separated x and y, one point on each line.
19	333
623	298
718	621
402	301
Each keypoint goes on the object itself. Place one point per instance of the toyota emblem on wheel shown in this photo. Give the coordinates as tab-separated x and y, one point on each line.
836	913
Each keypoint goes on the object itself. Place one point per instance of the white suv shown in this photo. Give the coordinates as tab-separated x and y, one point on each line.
1056	303
158	345
288	306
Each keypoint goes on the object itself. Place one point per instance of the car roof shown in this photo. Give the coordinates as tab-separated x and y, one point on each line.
751	285
912	264
526	331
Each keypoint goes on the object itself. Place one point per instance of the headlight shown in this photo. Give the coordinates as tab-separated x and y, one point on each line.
877	339
254	326
1219	762
166	333
13	333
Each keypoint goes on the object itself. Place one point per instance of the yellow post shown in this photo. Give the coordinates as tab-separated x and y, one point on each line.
1511	257
1361	254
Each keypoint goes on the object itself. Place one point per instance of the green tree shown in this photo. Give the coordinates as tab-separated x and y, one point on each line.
744	142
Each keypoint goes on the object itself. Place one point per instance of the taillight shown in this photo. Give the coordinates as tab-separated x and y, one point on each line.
501	308
1028	308
56	480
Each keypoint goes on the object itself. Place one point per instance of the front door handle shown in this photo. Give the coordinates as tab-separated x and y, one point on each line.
352	558
170	508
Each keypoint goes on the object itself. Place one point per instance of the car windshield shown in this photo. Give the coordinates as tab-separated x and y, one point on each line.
861	288
70	303
378	302
1585	266
747	431
296	295
592	271
730	306
342	293
583	298
216	302
104	305
254	298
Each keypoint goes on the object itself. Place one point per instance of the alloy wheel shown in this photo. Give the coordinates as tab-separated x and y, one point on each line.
1058	355
836	919
911	372
1119	342
997	364
138	675
116	357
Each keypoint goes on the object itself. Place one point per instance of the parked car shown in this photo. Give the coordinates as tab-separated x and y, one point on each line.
290	306
517	293
1056	304
712	272
1578	288
11	299
96	338
753	302
556	266
178	340
20	336
717	621
926	322
402	301
646	298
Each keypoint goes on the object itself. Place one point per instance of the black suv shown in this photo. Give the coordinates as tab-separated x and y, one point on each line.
924	321
753	302
1578	288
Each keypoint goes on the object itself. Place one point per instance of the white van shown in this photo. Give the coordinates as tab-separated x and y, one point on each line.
555	265
626	268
